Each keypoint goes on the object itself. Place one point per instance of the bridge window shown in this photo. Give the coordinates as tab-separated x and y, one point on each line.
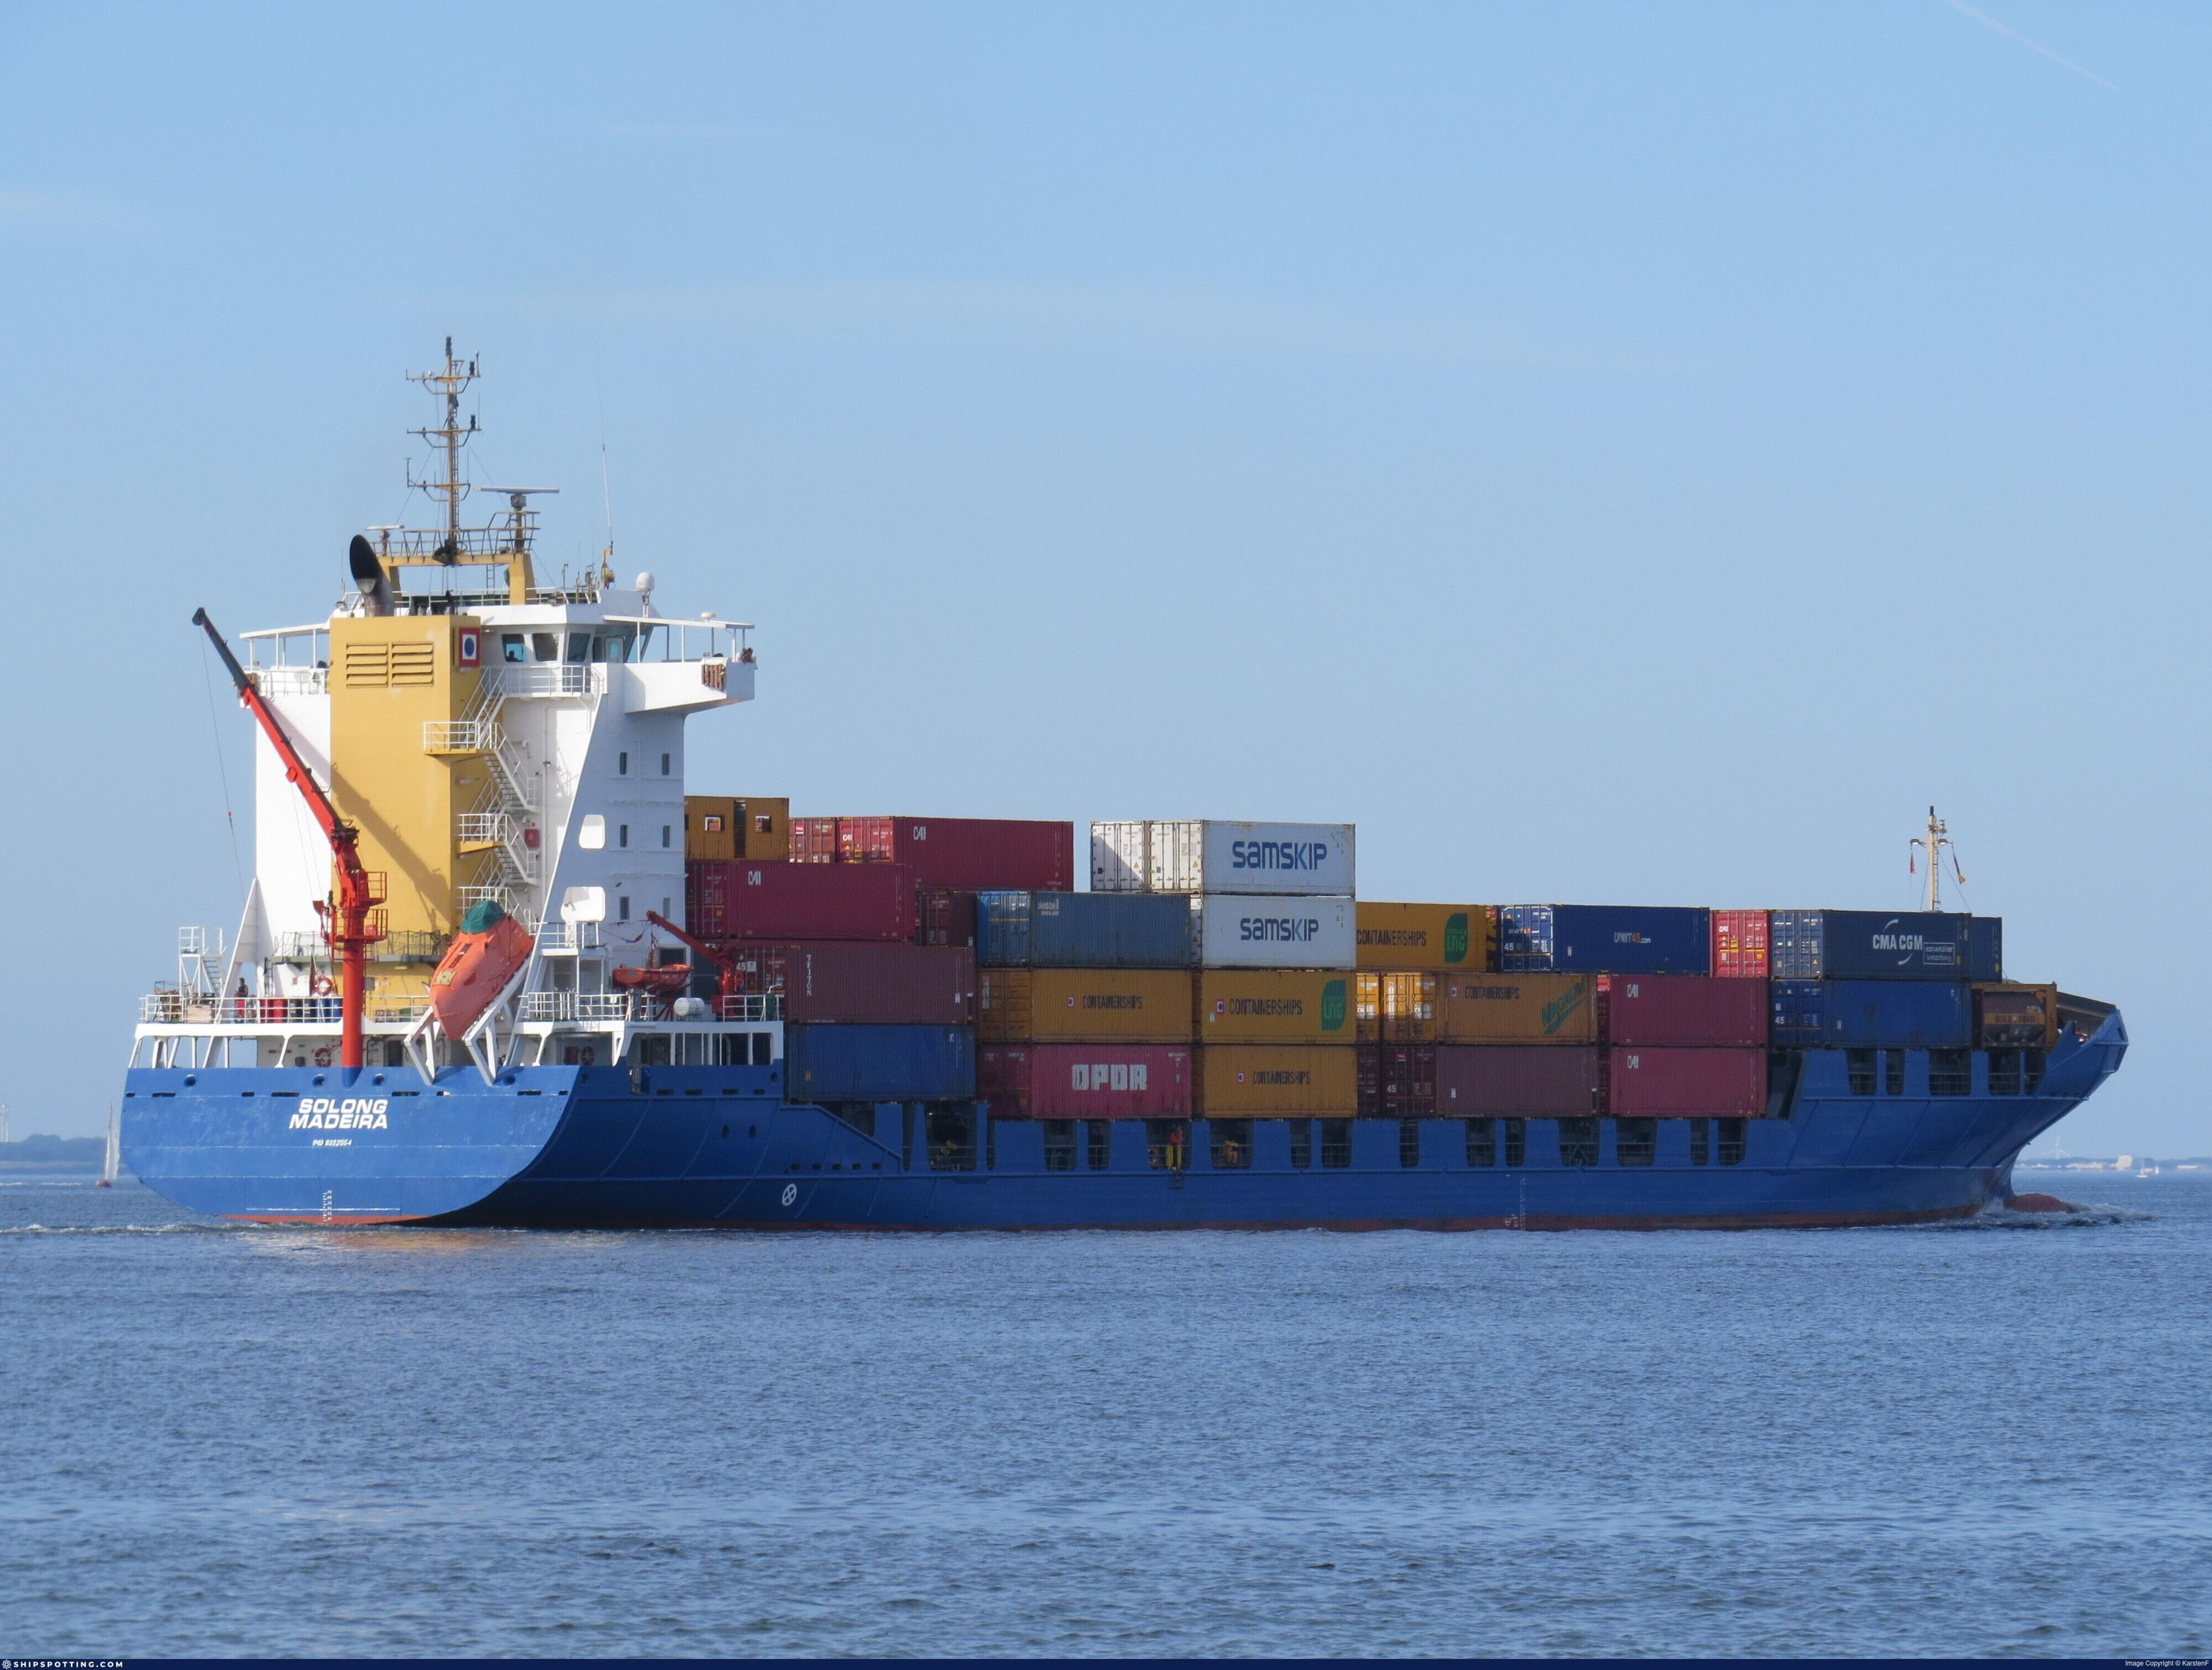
1893	1072
1301	1143
1336	1143
1950	1072
1481	1142
1731	1141
1701	1142
580	646
1232	1144
1102	1142
1858	1063
544	646
1516	1142
1059	1145
1635	1141
1577	1142
513	648
1409	1141
763	1048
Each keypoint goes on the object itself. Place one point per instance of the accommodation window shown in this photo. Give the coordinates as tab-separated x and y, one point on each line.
1336	1143
1167	1144
951	1140
622	837
1301	1143
1577	1142
622	764
1516	1142
1481	1141
621	906
665	759
664	830
1409	1141
1230	1147
1635	1141
1731	1141
1701	1142
2004	1072
1059	1145
1859	1065
1102	1142
1893	1072
763	1044
1950	1072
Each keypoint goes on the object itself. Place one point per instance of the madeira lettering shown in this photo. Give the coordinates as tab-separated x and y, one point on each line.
323	1112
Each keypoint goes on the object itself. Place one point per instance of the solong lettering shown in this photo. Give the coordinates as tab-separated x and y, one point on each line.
323	1112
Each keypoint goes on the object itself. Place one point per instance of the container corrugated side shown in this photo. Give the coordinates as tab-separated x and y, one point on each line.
1082	930
1517	1081
1409	1006
1901	1014
1598	939
713	830
1409	1081
1876	944
1421	936
839	1063
1516	1009
1149	1005
813	841
1682	1009
1240	931
1222	855
1738	950
764	827
882	984
766	899
1271	1079
1274	1006
1647	1081
1103	1079
944	916
998	853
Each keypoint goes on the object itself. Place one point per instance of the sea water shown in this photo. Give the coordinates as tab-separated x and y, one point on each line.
1980	1439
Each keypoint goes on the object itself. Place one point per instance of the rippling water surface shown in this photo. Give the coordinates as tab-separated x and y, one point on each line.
1977	1439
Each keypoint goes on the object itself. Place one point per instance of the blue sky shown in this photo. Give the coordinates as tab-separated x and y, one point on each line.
1608	452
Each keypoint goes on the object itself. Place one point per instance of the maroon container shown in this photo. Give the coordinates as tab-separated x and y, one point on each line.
1085	1081
976	854
948	917
813	841
1646	1081
855	980
772	899
1517	1081
1409	1081
1682	1009
1369	1071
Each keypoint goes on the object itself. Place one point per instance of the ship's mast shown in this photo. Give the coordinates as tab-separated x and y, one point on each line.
452	437
1931	846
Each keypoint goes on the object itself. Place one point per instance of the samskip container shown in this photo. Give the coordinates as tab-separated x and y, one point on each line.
1274	1006
1600	939
1517	1081
1081	930
1739	945
2008	1017
1682	1009
825	1063
1220	855
1105	1080
1239	931
1416	936
1896	1014
765	899
1875	945
999	854
882	984
1016	1005
1267	1079
1516	1009
1668	1081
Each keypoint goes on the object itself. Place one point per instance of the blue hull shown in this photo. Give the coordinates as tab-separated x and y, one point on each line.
719	1145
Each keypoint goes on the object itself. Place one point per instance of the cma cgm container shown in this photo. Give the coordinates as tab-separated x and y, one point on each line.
1605	939
1517	1081
1740	944
884	984
1272	1079
1099	1080
825	1063
1671	1082
1080	930
1682	1009
1216	855
1017	1005
771	900
1238	931
1857	1014
974	853
1516	1009
1875	945
1402	936
1275	1006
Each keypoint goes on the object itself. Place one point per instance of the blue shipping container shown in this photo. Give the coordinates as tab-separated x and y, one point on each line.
849	1063
1879	944
1878	1014
1084	930
1605	939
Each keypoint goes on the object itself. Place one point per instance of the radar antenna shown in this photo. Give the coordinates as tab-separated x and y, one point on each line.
452	437
1932	846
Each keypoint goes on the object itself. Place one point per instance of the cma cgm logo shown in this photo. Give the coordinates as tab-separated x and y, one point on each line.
1278	854
1109	1076
1279	930
323	1112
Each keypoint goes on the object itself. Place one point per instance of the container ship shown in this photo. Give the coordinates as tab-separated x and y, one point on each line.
499	965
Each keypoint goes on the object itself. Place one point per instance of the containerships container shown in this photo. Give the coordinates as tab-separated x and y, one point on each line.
2007	1017
1414	936
1017	1005
1238	931
1274	1079
1728	1084
1740	944
1001	853
1218	855
1517	1081
879	1063
1601	939
1856	1014
1875	945
1516	1009
768	900
1409	1007
1682	1009
1079	930
1099	1080
884	984
1275	1006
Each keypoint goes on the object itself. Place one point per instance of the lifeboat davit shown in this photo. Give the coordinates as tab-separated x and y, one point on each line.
490	946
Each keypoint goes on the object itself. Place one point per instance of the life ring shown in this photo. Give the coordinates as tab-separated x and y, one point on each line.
323	1056
322	985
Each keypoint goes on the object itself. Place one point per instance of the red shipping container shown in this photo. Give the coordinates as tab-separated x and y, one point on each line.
1517	1081
1409	1081
813	841
948	917
771	899
971	853
1740	944
886	985
1369	1071
1729	1083
1681	1009
1085	1081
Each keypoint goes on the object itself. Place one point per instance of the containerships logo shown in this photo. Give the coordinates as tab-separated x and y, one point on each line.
1334	1003
1455	937
1278	854
323	1112
1556	1013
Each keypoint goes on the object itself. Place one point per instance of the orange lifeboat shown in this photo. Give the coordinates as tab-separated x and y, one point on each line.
484	956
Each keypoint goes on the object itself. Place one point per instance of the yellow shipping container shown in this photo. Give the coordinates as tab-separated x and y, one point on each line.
1367	1005
1516	1009
1270	1081
1409	1007
712	824
1076	1005
1426	936
764	827
1274	1006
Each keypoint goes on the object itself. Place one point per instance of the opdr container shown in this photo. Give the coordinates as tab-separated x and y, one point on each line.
1601	939
879	1063
1098	1080
1219	855
1876	944
1516	1009
771	900
1239	931
1267	1079
883	984
1857	1014
1682	1009
1669	1082
1001	853
1080	930
1016	1005
2007	1017
1740	944
1274	1006
1414	936
1517	1081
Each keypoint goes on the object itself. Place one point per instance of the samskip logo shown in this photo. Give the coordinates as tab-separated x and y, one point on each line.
323	1112
1279	930
1278	854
